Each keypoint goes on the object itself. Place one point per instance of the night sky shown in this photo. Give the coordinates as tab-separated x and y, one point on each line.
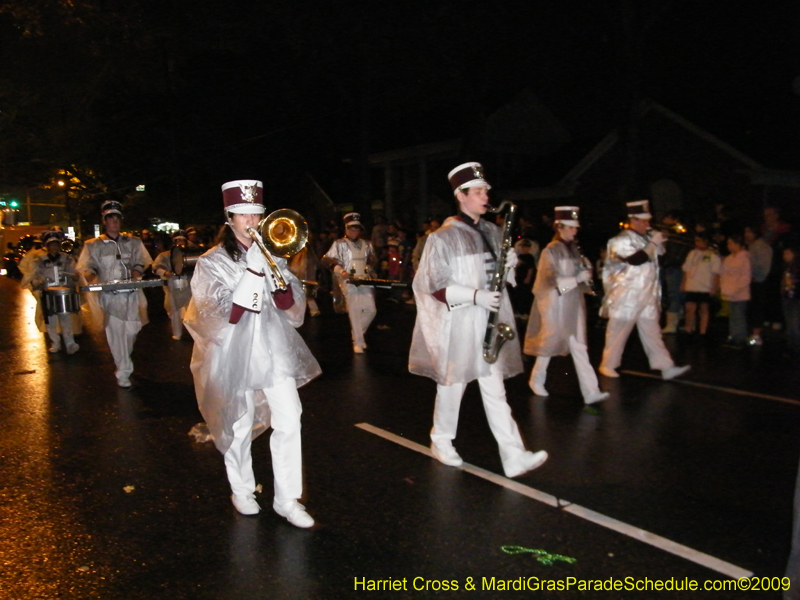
185	95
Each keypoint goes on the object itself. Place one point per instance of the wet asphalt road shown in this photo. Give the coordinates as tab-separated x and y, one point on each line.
104	495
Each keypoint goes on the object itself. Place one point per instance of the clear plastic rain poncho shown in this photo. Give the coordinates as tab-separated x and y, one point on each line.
114	260
257	353
447	345
556	316
631	291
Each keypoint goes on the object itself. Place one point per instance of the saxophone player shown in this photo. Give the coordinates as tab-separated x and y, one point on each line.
557	325
451	290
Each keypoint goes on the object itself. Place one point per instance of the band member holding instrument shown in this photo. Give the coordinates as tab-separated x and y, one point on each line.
178	291
304	265
633	294
557	325
353	257
53	269
248	358
115	257
451	290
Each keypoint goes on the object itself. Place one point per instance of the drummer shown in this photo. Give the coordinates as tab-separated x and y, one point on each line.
178	292
117	257
53	269
353	257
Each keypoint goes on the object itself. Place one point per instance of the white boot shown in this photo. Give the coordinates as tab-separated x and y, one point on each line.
672	323
539	376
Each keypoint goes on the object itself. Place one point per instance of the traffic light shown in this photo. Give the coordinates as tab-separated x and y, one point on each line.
13	204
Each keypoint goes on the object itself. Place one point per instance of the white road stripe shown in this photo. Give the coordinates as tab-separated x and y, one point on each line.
700	558
720	566
715	387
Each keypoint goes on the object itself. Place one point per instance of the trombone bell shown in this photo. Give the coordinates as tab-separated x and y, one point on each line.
285	232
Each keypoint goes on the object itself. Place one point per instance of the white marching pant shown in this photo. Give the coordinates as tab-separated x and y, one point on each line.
121	336
285	445
498	414
587	378
361	310
176	319
66	330
176	313
539	372
617	332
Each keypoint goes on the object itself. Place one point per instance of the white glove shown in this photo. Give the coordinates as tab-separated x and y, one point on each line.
249	292
658	238
585	276
511	262
511	259
488	300
256	261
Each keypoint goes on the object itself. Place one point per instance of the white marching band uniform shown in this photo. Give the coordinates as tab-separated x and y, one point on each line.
351	258
304	266
124	312
632	299
557	324
447	343
177	293
246	374
40	271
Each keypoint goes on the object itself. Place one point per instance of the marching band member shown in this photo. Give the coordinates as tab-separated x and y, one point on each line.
43	269
178	291
304	266
193	238
453	305
248	358
557	325
351	256
633	294
114	257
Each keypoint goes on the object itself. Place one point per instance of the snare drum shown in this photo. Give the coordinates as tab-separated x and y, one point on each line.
61	300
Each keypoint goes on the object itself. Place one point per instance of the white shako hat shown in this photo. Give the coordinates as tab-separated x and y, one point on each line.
52	236
467	175
244	197
352	218
639	209
568	215
110	207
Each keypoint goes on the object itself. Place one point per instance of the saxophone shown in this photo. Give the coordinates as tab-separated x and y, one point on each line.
498	334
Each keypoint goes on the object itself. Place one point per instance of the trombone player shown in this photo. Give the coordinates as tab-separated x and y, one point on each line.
633	294
248	358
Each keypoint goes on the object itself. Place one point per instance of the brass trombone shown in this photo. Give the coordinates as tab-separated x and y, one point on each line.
674	234
283	233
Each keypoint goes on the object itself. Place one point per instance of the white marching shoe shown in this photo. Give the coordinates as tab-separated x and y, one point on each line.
246	504
295	513
527	461
674	372
538	389
608	372
598	396
446	455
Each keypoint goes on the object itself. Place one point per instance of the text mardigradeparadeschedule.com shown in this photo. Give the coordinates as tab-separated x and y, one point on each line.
564	584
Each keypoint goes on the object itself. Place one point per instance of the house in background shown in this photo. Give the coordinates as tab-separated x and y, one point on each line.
677	165
534	161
